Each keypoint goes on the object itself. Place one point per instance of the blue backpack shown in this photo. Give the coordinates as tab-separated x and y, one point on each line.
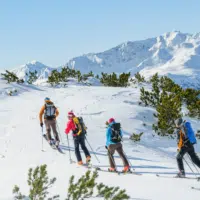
190	133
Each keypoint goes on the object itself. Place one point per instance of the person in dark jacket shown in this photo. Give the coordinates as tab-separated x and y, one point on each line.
184	146
113	146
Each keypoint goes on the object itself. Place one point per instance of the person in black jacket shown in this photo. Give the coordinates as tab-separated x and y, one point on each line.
184	146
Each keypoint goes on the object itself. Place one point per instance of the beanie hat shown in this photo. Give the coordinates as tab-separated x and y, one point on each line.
111	120
71	114
47	99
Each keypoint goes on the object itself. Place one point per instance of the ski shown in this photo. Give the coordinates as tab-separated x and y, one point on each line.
59	150
120	172
53	146
131	172
194	188
162	176
2	156
90	166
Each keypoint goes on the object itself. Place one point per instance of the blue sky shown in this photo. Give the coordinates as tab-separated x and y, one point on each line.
54	31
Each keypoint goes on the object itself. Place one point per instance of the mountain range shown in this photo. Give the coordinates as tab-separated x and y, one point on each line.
174	54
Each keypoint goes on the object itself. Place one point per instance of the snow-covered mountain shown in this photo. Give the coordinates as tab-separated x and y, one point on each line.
42	70
174	54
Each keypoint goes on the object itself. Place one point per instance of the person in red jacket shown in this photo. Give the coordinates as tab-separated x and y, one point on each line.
78	136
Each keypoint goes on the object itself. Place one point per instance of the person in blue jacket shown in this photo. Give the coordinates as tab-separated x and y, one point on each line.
113	143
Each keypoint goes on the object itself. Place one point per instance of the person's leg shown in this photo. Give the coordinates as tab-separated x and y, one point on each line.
54	128
179	159
194	156
111	151
48	129
120	151
77	151
83	147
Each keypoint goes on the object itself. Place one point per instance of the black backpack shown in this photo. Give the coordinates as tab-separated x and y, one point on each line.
115	133
50	111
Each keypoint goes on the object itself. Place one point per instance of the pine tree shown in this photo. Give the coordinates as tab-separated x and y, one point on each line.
54	78
11	77
114	81
86	187
83	188
155	95
32	77
39	184
139	78
136	137
169	109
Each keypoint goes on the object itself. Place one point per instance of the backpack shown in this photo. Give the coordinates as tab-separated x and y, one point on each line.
115	133
80	126
190	133
50	111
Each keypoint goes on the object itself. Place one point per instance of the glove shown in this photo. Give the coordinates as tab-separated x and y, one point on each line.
41	124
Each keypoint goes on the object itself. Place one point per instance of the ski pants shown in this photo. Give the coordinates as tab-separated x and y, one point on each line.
189	148
80	141
111	150
51	124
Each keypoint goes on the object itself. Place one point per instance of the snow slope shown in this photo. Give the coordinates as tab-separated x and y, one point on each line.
20	142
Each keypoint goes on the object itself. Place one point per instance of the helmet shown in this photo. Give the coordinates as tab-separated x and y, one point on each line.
111	120
179	121
47	99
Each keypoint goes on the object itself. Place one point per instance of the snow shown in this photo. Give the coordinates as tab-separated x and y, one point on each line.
20	141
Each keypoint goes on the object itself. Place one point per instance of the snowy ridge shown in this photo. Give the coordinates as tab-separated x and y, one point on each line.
174	54
42	70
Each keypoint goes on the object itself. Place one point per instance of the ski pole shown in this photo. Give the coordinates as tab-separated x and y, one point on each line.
42	138
128	159
70	158
110	155
193	164
59	133
189	166
92	150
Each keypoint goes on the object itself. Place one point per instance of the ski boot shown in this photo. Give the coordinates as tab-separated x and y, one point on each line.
181	174
112	169
126	169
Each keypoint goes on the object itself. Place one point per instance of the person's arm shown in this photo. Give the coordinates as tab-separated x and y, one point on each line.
70	127
41	113
108	136
57	112
178	135
121	134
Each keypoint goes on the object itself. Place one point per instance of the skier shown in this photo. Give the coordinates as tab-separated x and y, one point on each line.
113	142
50	114
78	128
186	139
